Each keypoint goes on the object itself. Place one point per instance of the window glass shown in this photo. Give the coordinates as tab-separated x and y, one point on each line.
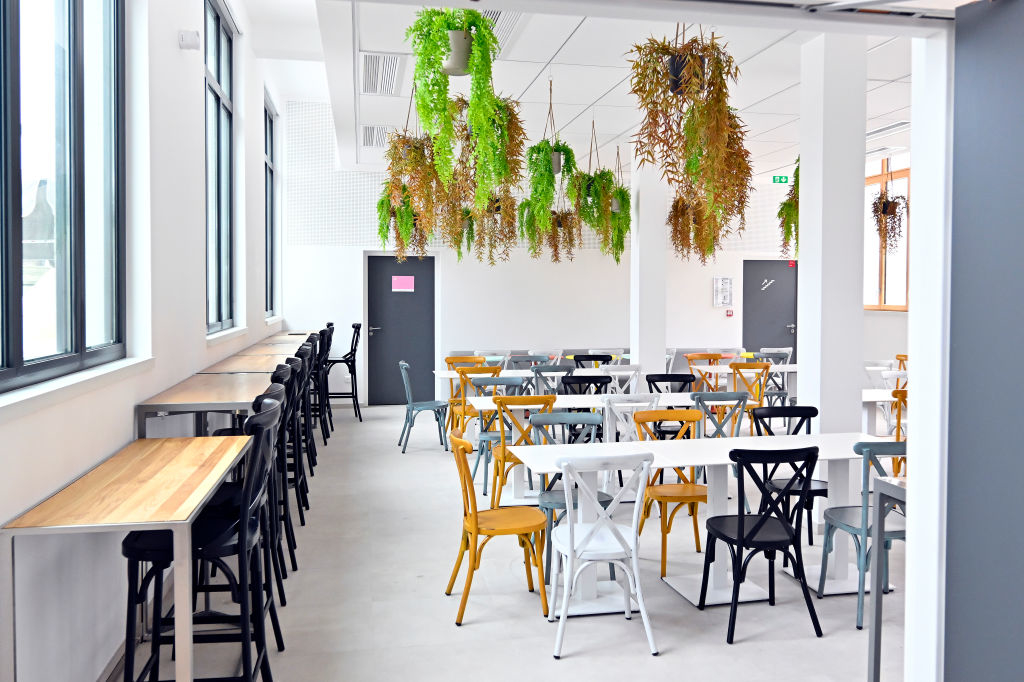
896	260
212	242
45	174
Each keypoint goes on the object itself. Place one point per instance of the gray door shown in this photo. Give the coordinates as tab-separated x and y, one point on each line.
400	316
769	304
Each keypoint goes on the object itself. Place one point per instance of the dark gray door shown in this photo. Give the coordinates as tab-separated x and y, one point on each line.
769	304
400	316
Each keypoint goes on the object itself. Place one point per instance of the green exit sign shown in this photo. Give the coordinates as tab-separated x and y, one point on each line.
780	179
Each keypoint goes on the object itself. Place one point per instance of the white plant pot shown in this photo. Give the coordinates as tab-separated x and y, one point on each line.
556	162
457	61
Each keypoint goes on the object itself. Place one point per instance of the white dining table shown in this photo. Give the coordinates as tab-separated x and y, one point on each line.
871	400
726	369
835	452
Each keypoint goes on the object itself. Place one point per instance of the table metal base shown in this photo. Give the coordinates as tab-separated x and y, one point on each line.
689	587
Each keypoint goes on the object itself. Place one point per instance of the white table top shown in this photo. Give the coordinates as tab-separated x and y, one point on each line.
876	395
698	452
726	369
588	402
528	374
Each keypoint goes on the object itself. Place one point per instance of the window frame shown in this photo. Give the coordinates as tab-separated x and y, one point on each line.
15	372
270	118
883	255
225	102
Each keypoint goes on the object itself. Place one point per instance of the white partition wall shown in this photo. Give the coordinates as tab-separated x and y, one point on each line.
829	304
648	244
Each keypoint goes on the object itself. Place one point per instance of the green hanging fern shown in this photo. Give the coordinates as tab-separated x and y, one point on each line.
592	196
789	215
535	210
620	222
430	45
384	216
401	217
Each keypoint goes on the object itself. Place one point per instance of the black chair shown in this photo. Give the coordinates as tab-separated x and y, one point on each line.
670	383
769	531
216	537
349	360
296	455
585	385
798	418
581	360
326	345
319	401
307	354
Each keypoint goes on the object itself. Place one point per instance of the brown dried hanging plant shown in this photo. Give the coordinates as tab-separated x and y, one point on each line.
495	229
413	180
691	133
887	211
565	235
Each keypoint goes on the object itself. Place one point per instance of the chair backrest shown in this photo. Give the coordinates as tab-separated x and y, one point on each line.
294	382
894	378
488	355
554	355
788	350
776	380
453	363
751	377
670	383
586	385
527	361
596	358
616	354
730	404
624	377
564	428
281	375
698	362
404	367
467	374
870	452
689	423
756	464
547	379
899	407
633	488
462	449
901	361
619	411
798	418
492	385
356	326
516	431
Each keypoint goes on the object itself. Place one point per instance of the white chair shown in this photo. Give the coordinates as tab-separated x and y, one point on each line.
618	414
625	378
554	353
494	353
788	350
616	354
595	538
893	379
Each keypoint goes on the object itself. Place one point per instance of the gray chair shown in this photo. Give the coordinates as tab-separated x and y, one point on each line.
856	520
413	408
562	428
776	392
720	426
487	437
545	382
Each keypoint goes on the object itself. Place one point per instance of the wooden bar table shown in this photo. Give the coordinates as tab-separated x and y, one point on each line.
203	393
264	364
269	349
151	484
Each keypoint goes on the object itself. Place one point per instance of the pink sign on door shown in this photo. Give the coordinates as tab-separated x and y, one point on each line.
405	284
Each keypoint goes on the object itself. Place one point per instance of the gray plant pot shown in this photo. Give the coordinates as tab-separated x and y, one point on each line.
556	162
616	206
457	61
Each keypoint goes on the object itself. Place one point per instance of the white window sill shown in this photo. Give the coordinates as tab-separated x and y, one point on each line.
274	319
226	335
19	402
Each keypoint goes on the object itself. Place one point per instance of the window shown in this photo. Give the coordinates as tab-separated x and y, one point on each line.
269	115
885	272
62	203
219	184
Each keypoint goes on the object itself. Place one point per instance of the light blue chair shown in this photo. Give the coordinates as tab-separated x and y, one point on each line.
722	427
856	520
492	386
545	382
412	409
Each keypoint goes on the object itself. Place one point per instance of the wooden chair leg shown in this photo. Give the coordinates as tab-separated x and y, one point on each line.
463	546
696	526
663	512
539	540
469	578
527	561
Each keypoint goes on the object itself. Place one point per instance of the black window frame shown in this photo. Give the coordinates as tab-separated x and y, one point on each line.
225	102
270	180
15	372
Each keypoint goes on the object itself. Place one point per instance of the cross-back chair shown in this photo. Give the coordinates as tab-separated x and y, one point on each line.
899	408
465	411
684	493
596	359
453	362
751	377
515	430
698	363
625	378
489	433
547	379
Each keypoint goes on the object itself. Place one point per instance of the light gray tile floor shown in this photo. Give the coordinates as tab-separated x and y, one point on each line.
368	600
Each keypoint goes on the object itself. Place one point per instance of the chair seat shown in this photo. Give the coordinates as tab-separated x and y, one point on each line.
602	547
773	534
817	488
555	499
510	521
848	519
491	436
157	546
678	492
429	405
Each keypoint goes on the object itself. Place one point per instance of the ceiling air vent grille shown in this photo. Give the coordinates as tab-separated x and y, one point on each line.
375	137
381	73
504	24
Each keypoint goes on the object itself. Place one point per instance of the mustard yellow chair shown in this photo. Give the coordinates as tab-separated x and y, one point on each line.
899	408
515	430
453	362
463	411
685	493
699	362
526	523
751	377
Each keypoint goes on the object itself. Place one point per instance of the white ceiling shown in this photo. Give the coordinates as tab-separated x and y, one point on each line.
586	60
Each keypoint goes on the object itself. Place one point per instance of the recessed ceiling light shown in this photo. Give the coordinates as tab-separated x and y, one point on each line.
887	130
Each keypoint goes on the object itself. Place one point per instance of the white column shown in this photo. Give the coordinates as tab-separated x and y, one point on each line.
647	263
830	311
928	348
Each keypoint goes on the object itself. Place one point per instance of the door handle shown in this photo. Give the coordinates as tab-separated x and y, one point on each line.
374	329
791	328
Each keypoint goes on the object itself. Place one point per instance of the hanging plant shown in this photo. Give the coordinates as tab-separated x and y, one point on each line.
412	179
789	215
598	199
565	235
433	35
887	211
535	209
495	229
690	132
400	221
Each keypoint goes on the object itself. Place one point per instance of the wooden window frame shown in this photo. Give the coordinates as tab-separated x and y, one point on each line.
879	180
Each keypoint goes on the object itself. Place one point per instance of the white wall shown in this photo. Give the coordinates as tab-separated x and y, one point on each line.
71	589
885	334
